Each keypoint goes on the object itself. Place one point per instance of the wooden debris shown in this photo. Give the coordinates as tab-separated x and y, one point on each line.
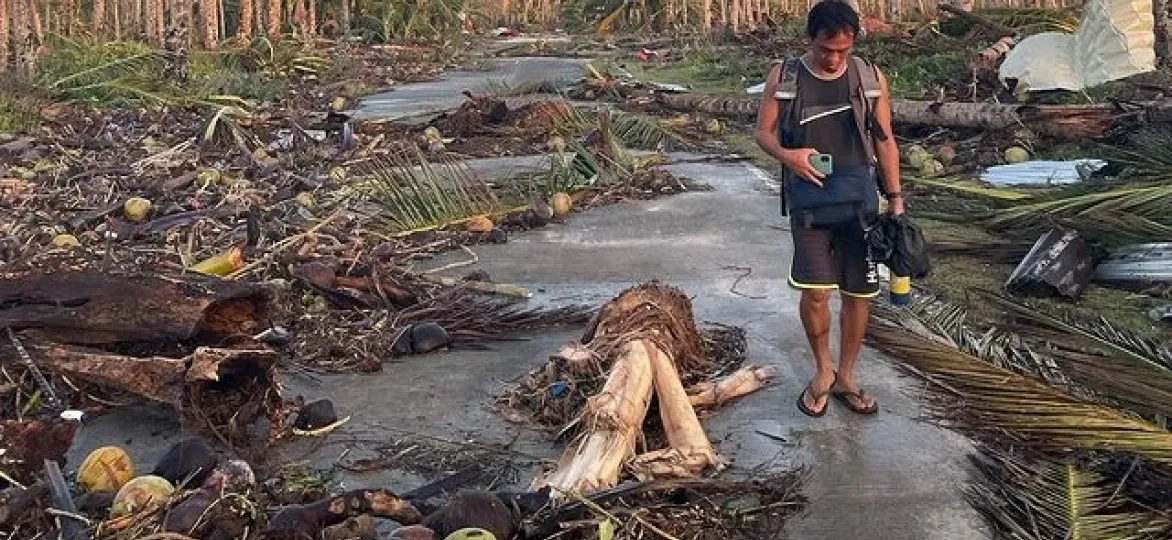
743	382
644	338
93	308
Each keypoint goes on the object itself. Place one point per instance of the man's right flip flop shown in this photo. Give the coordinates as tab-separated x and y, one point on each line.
844	397
816	395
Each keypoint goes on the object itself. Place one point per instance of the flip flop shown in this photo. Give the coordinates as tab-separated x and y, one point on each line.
844	397
816	395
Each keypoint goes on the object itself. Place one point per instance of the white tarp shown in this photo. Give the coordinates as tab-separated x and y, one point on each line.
1114	40
1042	172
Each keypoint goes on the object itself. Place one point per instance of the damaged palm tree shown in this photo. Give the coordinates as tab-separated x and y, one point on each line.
644	341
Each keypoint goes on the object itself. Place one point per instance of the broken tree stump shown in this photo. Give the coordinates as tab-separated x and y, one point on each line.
92	308
644	338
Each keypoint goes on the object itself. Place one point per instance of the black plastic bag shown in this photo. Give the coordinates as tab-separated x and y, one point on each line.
898	243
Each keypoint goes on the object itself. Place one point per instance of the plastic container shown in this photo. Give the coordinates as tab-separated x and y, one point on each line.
901	290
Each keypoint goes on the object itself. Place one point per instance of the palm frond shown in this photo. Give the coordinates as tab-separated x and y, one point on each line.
1147	154
986	400
642	131
409	193
999	194
1141	210
1034	497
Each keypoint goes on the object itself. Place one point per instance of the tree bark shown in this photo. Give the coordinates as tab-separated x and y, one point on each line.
743	382
1163	27
99	18
246	11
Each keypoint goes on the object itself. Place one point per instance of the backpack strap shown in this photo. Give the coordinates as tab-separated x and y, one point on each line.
787	93
863	78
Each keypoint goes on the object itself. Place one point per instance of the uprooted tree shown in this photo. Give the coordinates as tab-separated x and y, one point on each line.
646	345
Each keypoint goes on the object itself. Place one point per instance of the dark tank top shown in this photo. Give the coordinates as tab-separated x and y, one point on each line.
829	123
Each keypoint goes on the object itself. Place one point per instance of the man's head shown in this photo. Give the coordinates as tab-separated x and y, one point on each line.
832	26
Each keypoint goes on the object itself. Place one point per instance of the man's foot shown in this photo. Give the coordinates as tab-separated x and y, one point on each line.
813	400
853	397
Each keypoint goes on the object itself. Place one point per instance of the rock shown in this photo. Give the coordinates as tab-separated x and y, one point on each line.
188	458
498	236
316	415
477	275
94	502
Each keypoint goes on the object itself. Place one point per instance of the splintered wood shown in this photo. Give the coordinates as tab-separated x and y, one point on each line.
643	341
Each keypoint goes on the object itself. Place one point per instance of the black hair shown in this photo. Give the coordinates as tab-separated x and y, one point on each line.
833	17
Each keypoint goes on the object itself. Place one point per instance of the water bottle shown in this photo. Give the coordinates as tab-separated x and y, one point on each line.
901	290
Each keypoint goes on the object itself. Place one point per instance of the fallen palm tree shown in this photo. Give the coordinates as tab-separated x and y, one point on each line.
643	346
1071	122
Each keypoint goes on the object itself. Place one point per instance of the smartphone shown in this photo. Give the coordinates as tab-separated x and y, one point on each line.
823	163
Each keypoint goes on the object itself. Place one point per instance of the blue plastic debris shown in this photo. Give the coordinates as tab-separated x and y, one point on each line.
558	389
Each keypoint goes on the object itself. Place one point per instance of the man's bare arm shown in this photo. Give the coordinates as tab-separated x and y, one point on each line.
887	151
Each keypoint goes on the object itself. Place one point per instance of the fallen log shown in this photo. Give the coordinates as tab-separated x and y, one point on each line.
91	308
1070	122
225	388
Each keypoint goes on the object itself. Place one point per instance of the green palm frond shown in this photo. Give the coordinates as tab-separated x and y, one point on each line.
642	131
410	193
986	400
1034	497
1142	210
1147	154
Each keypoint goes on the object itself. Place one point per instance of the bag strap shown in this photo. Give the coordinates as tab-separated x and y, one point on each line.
787	93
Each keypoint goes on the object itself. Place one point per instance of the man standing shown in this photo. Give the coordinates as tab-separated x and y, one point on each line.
826	116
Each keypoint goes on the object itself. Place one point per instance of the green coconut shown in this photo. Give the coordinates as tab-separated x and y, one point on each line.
931	167
1016	154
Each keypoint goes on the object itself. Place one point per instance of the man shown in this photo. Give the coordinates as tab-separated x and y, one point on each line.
830	94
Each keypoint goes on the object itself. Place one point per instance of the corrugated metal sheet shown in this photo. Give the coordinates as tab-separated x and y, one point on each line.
1058	264
1137	264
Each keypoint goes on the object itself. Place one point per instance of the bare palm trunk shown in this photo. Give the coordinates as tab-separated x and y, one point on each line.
245	19
23	35
99	18
1160	9
207	17
274	18
300	17
117	20
311	28
4	35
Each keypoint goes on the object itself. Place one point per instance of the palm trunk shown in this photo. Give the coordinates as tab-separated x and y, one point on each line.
311	27
1067	122
207	15
1160	9
299	16
274	18
117	20
344	15
23	35
245	19
4	37
99	18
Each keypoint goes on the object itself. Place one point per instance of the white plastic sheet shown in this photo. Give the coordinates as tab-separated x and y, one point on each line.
1114	40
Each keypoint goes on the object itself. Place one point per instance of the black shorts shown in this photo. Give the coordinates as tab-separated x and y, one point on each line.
833	258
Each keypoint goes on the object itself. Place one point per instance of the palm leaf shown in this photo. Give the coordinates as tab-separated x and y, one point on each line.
999	194
1139	211
408	192
1033	497
1147	153
988	400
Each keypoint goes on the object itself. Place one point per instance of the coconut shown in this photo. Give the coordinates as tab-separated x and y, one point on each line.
207	177
713	126
338	174
915	149
136	209
66	241
479	224
471	533
556	144
1016	154
946	154
306	199
140	494
931	167
561	203
917	159
105	469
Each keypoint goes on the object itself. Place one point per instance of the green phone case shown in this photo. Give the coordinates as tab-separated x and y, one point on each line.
823	163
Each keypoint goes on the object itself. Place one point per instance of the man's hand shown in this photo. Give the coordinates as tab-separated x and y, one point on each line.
798	161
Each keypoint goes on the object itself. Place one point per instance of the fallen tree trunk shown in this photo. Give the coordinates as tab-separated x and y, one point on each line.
1060	121
743	382
224	388
93	308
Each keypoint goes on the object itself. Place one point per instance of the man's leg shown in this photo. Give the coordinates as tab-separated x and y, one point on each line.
853	327
859	283
815	272
815	313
